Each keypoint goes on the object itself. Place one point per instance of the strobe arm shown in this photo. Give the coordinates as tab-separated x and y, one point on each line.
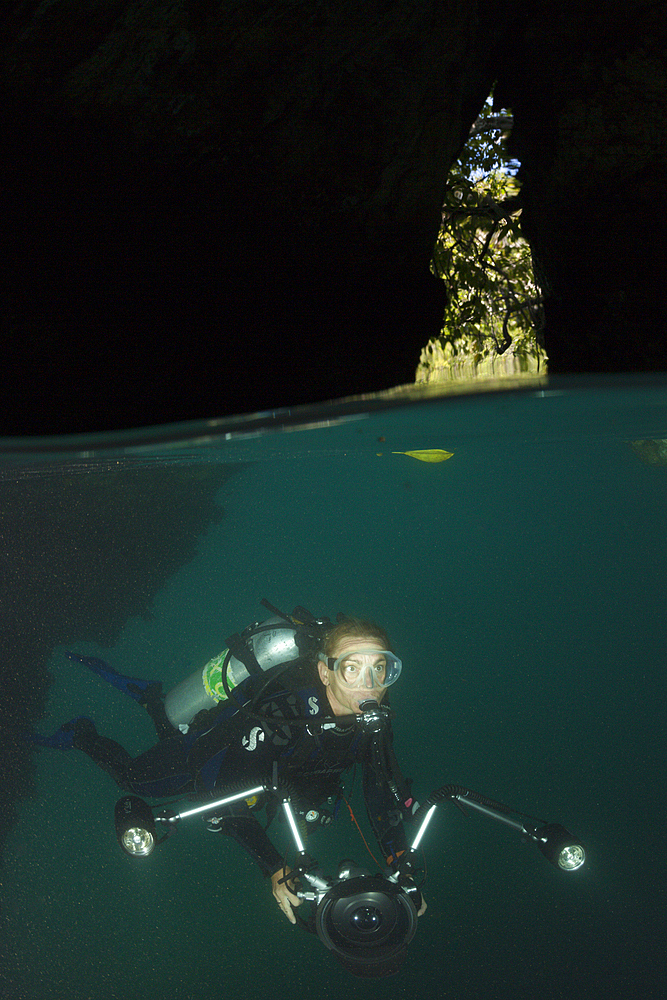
553	840
137	825
246	793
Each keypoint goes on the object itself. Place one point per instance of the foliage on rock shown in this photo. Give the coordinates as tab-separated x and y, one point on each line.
493	320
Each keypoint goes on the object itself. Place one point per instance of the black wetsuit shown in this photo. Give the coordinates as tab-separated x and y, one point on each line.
225	746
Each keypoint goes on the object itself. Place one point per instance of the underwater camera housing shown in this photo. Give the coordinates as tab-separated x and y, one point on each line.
367	921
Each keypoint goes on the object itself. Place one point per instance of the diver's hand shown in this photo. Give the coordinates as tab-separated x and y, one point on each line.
284	896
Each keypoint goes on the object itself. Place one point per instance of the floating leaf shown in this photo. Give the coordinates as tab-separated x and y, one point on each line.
430	455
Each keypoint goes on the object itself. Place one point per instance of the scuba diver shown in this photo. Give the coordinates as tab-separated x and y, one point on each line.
274	723
282	704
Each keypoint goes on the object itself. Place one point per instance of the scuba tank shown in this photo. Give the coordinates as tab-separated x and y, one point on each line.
279	640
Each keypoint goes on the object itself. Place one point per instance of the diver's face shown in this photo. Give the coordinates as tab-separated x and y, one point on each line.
346	691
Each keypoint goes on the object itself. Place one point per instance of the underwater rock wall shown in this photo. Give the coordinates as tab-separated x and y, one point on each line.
85	545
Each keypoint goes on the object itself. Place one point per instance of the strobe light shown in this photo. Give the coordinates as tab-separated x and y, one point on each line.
560	847
135	826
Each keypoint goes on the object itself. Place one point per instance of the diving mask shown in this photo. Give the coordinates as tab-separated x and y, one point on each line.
365	668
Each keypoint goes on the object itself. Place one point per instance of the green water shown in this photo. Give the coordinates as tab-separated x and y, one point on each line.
523	583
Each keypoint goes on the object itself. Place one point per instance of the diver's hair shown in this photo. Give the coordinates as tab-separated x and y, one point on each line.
359	627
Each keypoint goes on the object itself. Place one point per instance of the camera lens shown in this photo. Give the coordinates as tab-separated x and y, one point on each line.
366	919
